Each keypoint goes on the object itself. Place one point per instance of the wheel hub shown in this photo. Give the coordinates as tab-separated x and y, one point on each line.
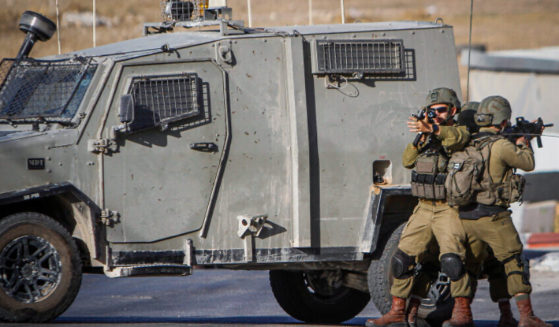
30	269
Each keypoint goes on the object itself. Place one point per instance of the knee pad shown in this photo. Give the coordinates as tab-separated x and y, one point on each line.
402	265
452	266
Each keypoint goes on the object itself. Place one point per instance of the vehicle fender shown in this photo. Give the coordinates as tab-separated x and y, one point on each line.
84	211
387	207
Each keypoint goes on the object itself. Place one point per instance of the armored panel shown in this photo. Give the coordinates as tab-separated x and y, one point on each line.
43	89
360	56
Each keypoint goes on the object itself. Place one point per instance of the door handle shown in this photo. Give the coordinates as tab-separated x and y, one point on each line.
204	147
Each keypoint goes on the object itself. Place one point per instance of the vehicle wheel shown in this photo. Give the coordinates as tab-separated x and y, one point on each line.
40	269
435	308
316	296
380	272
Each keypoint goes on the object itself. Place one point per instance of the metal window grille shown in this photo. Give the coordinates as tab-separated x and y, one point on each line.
40	89
5	67
360	56
409	74
168	98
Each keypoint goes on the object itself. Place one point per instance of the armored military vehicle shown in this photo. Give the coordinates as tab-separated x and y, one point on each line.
240	148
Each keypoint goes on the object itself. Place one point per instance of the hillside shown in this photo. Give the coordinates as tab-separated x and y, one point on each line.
498	24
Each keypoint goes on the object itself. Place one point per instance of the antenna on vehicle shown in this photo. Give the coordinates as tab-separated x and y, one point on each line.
249	9
58	24
343	11
94	18
469	49
310	12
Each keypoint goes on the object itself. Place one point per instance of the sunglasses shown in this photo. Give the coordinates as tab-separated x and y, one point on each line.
440	110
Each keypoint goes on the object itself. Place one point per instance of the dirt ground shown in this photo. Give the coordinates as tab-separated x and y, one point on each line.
497	24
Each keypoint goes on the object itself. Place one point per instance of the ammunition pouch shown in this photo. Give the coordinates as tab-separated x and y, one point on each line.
427	181
511	189
428	186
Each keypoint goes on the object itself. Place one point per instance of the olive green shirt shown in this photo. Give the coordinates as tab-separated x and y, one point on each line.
453	138
506	155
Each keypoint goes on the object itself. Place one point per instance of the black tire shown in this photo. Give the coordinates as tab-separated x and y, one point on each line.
306	296
435	308
40	268
379	276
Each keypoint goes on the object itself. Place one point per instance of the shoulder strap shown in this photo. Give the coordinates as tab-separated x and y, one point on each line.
482	140
487	141
481	135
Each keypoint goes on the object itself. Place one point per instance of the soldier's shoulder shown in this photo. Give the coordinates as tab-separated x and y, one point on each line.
501	141
503	146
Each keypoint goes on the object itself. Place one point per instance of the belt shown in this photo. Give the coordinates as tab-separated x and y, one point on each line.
433	202
478	210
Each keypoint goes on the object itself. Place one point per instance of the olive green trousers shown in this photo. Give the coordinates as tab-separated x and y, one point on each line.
433	220
499	233
480	261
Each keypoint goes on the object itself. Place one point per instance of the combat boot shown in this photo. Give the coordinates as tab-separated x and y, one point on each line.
461	314
413	307
527	317
506	319
396	317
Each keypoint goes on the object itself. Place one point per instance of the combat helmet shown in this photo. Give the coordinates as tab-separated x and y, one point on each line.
443	95
492	111
466	117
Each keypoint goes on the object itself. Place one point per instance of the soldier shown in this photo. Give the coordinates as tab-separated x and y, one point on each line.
432	217
488	219
480	259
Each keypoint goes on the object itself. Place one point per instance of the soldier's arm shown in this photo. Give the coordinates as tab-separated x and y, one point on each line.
453	138
409	156
521	157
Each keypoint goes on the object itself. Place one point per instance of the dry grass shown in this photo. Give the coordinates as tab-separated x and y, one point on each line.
499	24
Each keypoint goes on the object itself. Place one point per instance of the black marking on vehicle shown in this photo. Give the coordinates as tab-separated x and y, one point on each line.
35	163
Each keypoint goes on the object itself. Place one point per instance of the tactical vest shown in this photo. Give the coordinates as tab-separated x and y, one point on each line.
429	174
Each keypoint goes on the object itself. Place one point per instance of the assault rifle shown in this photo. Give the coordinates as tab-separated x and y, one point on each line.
526	129
421	114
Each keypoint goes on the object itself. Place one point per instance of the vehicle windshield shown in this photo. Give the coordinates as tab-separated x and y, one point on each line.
46	90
